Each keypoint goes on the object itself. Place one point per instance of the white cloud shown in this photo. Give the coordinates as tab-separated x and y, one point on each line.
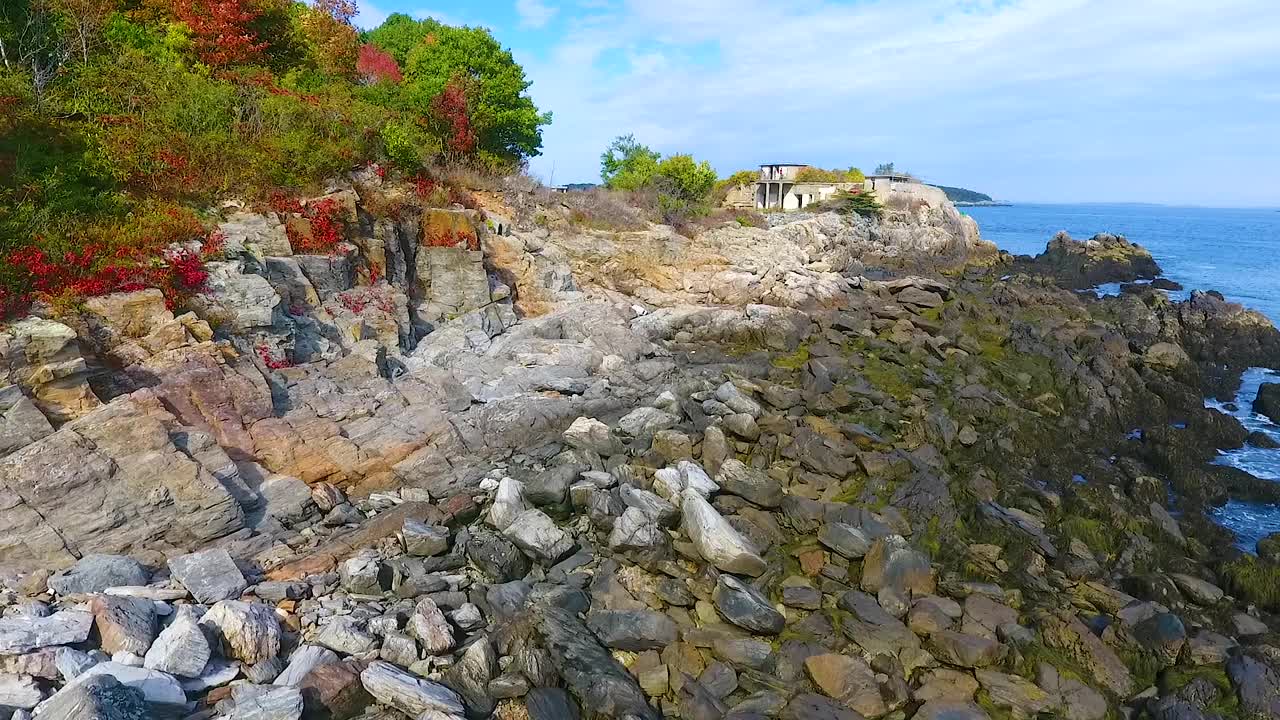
369	16
955	89
534	13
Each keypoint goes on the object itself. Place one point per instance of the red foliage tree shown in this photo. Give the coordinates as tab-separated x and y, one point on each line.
376	66
220	30
452	110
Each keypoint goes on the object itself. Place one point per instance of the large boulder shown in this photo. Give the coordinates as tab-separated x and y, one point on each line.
1104	258
95	573
718	542
1267	401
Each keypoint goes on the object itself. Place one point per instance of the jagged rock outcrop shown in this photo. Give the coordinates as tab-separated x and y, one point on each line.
637	475
1103	258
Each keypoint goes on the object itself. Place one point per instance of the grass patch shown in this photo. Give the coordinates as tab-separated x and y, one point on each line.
1094	533
1227	704
891	378
1254	580
792	361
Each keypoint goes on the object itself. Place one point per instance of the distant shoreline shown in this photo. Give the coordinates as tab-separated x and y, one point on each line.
984	203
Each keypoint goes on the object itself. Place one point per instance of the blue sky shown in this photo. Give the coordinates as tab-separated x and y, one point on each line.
1170	101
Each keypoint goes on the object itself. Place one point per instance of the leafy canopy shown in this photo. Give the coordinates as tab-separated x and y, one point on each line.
628	165
471	64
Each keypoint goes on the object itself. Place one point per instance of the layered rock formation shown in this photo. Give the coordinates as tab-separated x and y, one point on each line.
465	468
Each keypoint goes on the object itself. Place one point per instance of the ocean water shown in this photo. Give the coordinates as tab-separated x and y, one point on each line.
1233	251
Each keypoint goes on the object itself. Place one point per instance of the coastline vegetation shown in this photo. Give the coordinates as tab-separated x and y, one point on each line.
122	120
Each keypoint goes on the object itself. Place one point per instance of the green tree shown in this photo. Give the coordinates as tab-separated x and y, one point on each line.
628	165
399	34
884	169
853	174
507	124
686	179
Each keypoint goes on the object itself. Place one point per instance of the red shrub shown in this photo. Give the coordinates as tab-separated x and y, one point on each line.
452	110
327	227
376	66
271	360
221	30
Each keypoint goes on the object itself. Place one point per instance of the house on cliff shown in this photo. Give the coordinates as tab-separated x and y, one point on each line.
781	186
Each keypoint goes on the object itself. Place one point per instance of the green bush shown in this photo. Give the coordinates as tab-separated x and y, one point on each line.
848	203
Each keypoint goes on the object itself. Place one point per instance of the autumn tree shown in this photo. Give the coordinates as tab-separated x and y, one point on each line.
335	44
221	30
374	66
506	124
451	112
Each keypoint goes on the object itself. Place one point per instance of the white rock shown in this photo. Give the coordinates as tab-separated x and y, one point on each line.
217	673
157	687
508	502
303	660
343	634
248	632
410	694
716	540
273	703
695	477
429	625
22	633
19	691
590	434
180	649
538	535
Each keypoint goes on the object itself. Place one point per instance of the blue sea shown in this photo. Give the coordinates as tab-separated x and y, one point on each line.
1233	251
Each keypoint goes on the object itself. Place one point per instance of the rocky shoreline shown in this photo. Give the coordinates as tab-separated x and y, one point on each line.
837	468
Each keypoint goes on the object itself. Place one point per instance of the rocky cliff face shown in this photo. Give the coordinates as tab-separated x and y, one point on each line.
469	466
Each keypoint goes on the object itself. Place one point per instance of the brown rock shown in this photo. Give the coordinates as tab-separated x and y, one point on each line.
124	624
334	692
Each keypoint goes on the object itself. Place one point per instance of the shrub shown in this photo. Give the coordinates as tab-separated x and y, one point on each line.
848	203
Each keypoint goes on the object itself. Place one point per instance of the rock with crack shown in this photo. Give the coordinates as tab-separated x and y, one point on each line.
124	624
746	607
590	434
157	687
746	482
303	660
601	683
429	625
508	503
471	675
101	697
718	542
210	575
344	634
423	540
633	630
537	534
266	702
849	680
19	691
892	563
410	694
248	632
95	573
181	648
24	633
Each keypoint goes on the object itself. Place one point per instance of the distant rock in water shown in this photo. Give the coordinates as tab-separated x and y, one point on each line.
1268	401
1104	258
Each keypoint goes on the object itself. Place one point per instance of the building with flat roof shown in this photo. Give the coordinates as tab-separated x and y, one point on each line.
780	188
